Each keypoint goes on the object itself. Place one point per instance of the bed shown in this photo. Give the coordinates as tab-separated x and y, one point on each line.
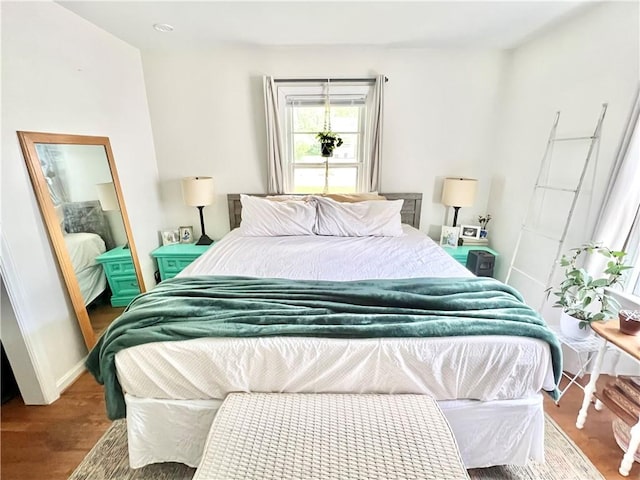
87	235
83	249
489	386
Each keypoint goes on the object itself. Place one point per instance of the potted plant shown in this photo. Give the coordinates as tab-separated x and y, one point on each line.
329	141
582	297
483	221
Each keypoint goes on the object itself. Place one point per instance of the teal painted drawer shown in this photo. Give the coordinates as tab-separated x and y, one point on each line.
121	286
167	275
122	267
172	259
121	275
174	264
122	300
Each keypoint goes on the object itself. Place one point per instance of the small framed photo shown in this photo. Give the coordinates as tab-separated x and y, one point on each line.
470	231
186	234
169	237
449	236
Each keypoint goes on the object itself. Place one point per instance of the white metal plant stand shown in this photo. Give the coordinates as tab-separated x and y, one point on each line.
585	350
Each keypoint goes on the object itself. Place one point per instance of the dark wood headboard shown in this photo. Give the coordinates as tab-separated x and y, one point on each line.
410	209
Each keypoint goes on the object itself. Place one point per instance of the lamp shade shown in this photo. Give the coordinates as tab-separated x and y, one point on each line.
107	196
459	192
197	191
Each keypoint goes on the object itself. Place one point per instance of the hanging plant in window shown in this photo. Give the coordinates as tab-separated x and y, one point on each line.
329	140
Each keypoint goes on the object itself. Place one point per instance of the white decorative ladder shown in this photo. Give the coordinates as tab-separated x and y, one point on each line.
541	186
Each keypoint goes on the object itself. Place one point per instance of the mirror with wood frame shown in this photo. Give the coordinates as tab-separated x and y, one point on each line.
76	184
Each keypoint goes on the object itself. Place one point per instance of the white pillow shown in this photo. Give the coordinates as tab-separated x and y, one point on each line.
266	218
377	218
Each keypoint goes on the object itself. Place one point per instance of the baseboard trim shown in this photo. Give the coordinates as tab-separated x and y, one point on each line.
33	374
71	376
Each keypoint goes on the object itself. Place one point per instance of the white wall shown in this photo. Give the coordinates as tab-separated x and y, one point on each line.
208	119
62	74
21	361
81	168
574	67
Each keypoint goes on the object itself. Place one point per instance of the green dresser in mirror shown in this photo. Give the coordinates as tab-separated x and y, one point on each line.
121	275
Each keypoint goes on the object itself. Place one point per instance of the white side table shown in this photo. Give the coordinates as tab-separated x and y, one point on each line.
585	350
610	334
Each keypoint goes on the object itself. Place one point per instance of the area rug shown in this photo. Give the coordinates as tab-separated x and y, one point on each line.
109	460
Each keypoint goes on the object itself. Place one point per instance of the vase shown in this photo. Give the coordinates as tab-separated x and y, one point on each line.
326	149
570	327
483	233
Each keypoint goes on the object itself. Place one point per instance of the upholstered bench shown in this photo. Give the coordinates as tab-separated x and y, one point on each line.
330	436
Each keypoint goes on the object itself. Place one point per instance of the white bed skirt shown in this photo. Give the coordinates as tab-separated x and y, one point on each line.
488	433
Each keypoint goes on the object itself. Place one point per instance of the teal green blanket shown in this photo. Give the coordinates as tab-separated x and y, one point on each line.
208	306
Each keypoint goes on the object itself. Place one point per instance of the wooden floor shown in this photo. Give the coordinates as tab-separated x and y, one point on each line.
596	438
48	442
101	317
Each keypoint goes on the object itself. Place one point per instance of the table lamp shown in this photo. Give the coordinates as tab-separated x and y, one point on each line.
457	193
198	192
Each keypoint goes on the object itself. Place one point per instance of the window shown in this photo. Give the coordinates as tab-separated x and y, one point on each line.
303	111
632	282
632	205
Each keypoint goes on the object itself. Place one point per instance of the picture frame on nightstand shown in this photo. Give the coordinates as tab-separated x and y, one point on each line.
470	231
186	234
449	236
169	237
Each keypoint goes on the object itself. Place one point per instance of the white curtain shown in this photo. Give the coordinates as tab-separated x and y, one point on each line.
49	156
617	217
276	162
374	118
622	197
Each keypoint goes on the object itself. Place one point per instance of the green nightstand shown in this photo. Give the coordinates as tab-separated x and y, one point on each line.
460	253
172	259
118	267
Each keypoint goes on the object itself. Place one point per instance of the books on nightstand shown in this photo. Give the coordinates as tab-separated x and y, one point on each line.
475	241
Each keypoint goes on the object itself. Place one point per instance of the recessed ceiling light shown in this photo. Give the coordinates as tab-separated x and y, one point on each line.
163	27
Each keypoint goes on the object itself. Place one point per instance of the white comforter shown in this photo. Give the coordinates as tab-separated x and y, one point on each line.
483	367
83	249
479	367
316	257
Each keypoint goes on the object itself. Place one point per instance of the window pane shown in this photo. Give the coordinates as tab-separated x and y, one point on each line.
348	151
311	119
306	148
343	180
308	119
345	119
308	180
311	180
631	278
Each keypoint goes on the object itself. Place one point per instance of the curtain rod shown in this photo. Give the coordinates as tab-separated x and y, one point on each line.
316	80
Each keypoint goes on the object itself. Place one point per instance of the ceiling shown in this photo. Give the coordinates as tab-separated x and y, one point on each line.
206	24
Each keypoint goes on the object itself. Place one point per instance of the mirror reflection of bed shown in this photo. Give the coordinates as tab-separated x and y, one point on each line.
84	248
81	188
